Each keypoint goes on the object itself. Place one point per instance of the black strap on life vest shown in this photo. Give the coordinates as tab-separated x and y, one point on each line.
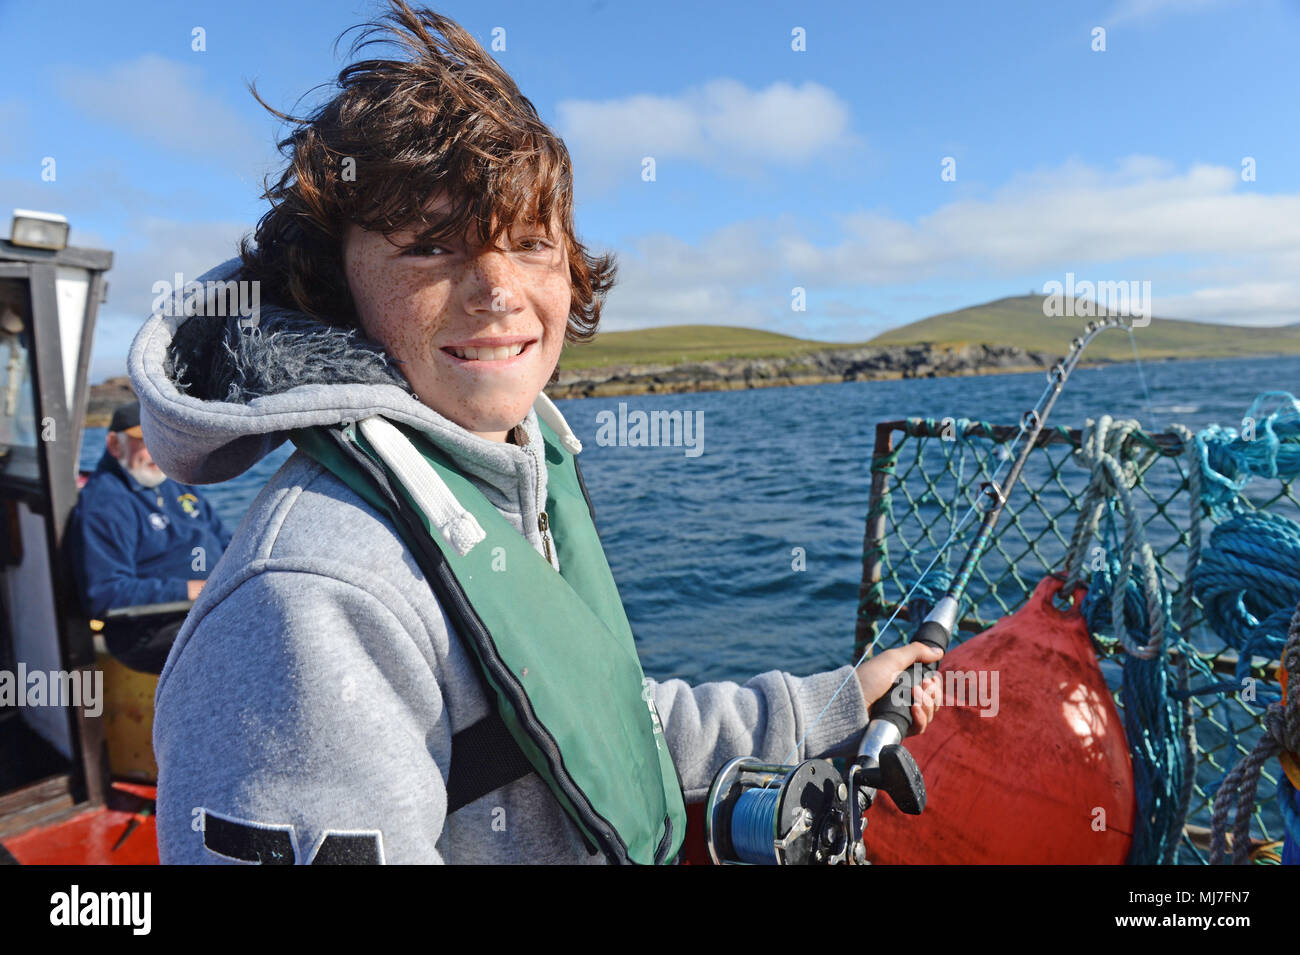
484	757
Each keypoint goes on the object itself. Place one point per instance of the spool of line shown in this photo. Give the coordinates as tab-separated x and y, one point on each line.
753	826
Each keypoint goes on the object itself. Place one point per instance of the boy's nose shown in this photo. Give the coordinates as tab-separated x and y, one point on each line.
491	285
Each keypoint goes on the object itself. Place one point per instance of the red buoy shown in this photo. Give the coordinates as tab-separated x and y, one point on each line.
1026	762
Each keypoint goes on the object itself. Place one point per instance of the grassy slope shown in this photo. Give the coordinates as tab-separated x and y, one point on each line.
1009	321
1020	321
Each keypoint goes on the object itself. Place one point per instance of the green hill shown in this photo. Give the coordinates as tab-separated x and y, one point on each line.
1020	321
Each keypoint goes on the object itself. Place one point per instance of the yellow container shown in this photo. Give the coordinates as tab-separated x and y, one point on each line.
128	720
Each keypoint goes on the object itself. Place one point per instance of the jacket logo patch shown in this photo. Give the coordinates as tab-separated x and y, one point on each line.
158	521
259	843
189	503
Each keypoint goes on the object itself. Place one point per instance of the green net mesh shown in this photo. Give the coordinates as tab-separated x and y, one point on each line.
926	474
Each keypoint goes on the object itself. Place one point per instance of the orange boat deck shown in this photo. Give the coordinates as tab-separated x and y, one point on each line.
94	836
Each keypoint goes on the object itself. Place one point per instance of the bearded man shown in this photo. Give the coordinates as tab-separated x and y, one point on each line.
137	538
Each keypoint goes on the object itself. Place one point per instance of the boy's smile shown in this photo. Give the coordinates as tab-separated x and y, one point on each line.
497	351
476	331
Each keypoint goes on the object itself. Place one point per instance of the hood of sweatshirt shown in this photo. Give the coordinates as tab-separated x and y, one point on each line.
219	393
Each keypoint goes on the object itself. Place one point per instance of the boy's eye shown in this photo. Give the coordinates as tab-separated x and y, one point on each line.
425	251
531	244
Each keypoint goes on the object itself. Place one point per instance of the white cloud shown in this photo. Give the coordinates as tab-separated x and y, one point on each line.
107	190
1258	302
153	251
1074	217
722	123
1213	249
162	102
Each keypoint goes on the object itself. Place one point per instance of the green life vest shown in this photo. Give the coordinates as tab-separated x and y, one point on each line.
556	649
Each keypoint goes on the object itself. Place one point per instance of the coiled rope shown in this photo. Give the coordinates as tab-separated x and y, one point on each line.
1281	735
1289	798
1156	721
1248	580
1267	446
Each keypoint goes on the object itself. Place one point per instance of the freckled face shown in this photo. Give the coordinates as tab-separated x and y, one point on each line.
478	332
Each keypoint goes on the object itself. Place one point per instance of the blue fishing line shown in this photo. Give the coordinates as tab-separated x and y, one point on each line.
753	826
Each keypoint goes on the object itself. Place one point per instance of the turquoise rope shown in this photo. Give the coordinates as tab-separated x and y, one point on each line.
1229	458
1248	581
1153	719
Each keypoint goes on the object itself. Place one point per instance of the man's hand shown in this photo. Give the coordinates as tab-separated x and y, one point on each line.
195	586
878	674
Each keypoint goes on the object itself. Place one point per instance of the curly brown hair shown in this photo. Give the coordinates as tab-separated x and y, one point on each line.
448	121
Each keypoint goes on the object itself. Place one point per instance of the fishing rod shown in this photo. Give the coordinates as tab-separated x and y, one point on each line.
809	814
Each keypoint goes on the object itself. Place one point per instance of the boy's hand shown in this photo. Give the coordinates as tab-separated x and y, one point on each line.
877	675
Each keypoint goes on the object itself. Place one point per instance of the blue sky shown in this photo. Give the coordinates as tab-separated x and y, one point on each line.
775	168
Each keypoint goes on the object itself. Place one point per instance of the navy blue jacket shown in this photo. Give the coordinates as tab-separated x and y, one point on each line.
133	545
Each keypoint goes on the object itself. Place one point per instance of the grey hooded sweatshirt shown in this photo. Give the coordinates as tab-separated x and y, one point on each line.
316	684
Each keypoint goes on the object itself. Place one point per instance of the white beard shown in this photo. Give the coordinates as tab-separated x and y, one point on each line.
146	477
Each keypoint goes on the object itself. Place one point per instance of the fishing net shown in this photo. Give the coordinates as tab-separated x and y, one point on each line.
927	473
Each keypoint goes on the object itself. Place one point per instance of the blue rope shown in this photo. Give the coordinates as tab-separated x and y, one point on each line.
1153	719
1269	448
753	826
1248	581
1289	797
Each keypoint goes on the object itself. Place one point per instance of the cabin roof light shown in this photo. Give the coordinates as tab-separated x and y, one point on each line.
39	230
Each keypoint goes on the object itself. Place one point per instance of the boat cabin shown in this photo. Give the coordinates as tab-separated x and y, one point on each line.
58	798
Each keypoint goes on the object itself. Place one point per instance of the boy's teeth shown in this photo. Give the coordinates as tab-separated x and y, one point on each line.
500	353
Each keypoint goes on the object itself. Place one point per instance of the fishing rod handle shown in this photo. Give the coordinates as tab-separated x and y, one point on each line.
895	707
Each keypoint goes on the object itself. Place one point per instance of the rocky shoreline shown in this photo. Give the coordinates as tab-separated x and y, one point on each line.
867	363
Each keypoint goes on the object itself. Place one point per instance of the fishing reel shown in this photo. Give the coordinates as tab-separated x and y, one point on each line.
809	814
765	814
